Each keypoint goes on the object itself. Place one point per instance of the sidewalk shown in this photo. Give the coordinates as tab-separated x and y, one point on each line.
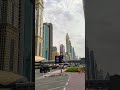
57	72
76	82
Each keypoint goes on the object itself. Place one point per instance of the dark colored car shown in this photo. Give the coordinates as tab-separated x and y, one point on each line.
44	69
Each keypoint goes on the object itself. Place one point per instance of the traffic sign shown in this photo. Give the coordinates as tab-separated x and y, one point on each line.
58	59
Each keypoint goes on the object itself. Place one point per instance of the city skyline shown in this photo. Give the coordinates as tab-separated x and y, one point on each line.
72	22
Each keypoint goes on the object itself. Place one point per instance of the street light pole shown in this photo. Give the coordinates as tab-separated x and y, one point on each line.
46	54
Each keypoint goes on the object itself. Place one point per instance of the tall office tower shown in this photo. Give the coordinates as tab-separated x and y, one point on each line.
38	27
17	36
48	40
68	45
73	53
70	49
62	50
9	35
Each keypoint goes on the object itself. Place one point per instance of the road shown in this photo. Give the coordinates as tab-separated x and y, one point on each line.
50	83
71	81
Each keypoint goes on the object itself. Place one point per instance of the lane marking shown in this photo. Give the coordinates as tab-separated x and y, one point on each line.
45	74
67	82
50	82
64	88
41	77
56	88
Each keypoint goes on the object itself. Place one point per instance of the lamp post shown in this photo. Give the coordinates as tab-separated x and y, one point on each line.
46	54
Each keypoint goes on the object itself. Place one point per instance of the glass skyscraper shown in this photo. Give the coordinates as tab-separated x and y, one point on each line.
46	41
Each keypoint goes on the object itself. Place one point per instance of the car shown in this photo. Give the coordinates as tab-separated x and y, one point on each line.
44	69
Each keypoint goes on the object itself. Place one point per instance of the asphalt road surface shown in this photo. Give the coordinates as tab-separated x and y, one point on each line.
50	83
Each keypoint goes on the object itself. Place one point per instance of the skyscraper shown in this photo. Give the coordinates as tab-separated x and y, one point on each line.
17	37
38	27
48	40
9	35
68	45
73	53
62	49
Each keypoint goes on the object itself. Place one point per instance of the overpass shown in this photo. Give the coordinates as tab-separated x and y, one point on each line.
52	62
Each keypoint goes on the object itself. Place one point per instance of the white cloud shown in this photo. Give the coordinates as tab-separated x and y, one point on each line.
67	17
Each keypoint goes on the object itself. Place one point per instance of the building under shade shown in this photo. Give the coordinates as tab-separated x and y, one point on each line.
17	37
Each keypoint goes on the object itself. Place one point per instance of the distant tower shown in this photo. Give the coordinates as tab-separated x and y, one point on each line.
67	45
62	49
54	49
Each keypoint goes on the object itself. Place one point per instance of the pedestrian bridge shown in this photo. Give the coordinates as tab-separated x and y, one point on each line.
49	62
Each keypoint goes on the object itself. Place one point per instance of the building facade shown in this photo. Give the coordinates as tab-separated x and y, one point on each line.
16	37
55	53
54	49
68	45
9	35
39	27
62	50
73	53
48	40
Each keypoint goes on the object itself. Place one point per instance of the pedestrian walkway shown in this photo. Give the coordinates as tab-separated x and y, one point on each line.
57	72
76	81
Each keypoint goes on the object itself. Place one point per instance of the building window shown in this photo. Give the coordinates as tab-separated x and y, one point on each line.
11	55
0	9
12	14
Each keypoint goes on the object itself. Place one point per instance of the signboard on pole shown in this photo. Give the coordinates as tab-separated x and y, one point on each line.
58	59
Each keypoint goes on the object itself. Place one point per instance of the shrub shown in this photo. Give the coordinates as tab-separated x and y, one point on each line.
72	69
75	69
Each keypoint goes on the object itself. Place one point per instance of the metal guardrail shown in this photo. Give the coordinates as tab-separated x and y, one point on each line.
37	64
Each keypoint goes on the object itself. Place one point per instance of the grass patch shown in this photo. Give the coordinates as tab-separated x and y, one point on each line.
75	69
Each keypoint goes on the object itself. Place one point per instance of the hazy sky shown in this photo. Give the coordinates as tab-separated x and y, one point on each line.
67	16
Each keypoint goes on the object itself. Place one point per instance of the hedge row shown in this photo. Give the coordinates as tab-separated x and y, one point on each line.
76	69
